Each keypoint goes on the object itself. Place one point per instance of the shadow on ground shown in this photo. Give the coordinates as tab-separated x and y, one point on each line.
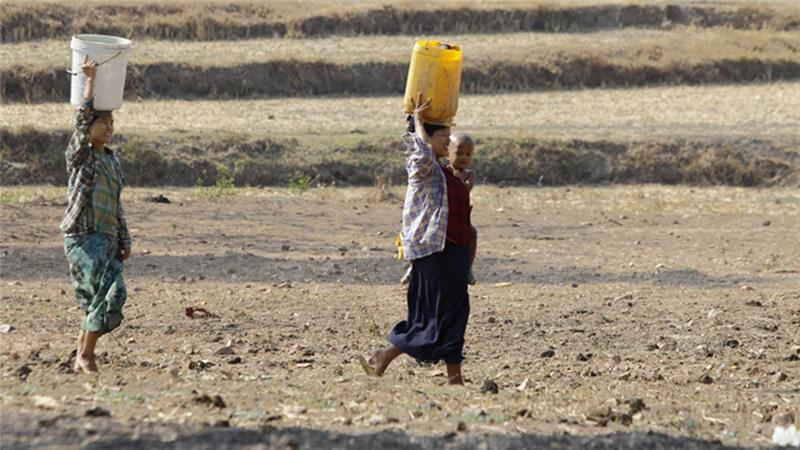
22	431
376	266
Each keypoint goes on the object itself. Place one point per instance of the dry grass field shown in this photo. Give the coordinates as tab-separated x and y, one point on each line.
765	111
339	6
181	55
632	47
289	7
214	20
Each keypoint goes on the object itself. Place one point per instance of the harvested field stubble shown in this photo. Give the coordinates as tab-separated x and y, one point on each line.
305	79
33	72
764	111
178	21
633	47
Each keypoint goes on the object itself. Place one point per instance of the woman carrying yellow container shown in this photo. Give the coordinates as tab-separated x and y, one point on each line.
436	231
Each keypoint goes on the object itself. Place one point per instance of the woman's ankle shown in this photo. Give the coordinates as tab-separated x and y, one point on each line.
454	374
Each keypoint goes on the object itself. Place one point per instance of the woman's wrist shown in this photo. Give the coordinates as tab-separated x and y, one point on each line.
88	91
420	128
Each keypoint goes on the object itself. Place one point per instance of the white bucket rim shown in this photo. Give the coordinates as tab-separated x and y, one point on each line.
101	42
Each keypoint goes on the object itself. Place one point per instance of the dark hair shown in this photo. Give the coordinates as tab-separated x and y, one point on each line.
96	114
430	128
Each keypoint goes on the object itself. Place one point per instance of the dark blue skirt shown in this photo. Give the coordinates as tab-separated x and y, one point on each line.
438	307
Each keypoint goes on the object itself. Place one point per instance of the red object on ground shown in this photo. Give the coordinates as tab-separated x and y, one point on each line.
197	313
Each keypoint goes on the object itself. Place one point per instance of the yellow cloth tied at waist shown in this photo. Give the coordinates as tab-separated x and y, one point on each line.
398	242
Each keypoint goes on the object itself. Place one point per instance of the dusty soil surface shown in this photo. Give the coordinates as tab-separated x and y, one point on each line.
633	309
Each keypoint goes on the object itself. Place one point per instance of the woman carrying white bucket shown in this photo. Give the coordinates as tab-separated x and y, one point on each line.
96	237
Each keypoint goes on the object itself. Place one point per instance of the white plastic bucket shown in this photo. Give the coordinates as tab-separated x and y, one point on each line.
111	54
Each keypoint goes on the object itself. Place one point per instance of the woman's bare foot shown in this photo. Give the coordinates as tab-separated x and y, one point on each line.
379	361
75	366
84	360
85	364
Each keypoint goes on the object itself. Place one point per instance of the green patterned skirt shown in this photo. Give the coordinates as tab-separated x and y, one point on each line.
95	271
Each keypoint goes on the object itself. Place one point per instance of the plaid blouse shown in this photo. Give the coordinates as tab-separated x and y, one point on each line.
82	164
425	210
105	204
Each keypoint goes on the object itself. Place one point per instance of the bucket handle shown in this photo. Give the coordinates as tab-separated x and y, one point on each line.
97	65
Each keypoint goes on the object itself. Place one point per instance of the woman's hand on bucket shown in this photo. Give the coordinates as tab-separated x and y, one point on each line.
89	67
417	108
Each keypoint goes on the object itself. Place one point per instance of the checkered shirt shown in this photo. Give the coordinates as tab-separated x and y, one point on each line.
425	210
82	169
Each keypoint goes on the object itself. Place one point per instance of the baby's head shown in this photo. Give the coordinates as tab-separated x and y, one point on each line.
460	151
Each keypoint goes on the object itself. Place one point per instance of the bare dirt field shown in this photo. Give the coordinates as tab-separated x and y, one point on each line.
640	308
608	314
